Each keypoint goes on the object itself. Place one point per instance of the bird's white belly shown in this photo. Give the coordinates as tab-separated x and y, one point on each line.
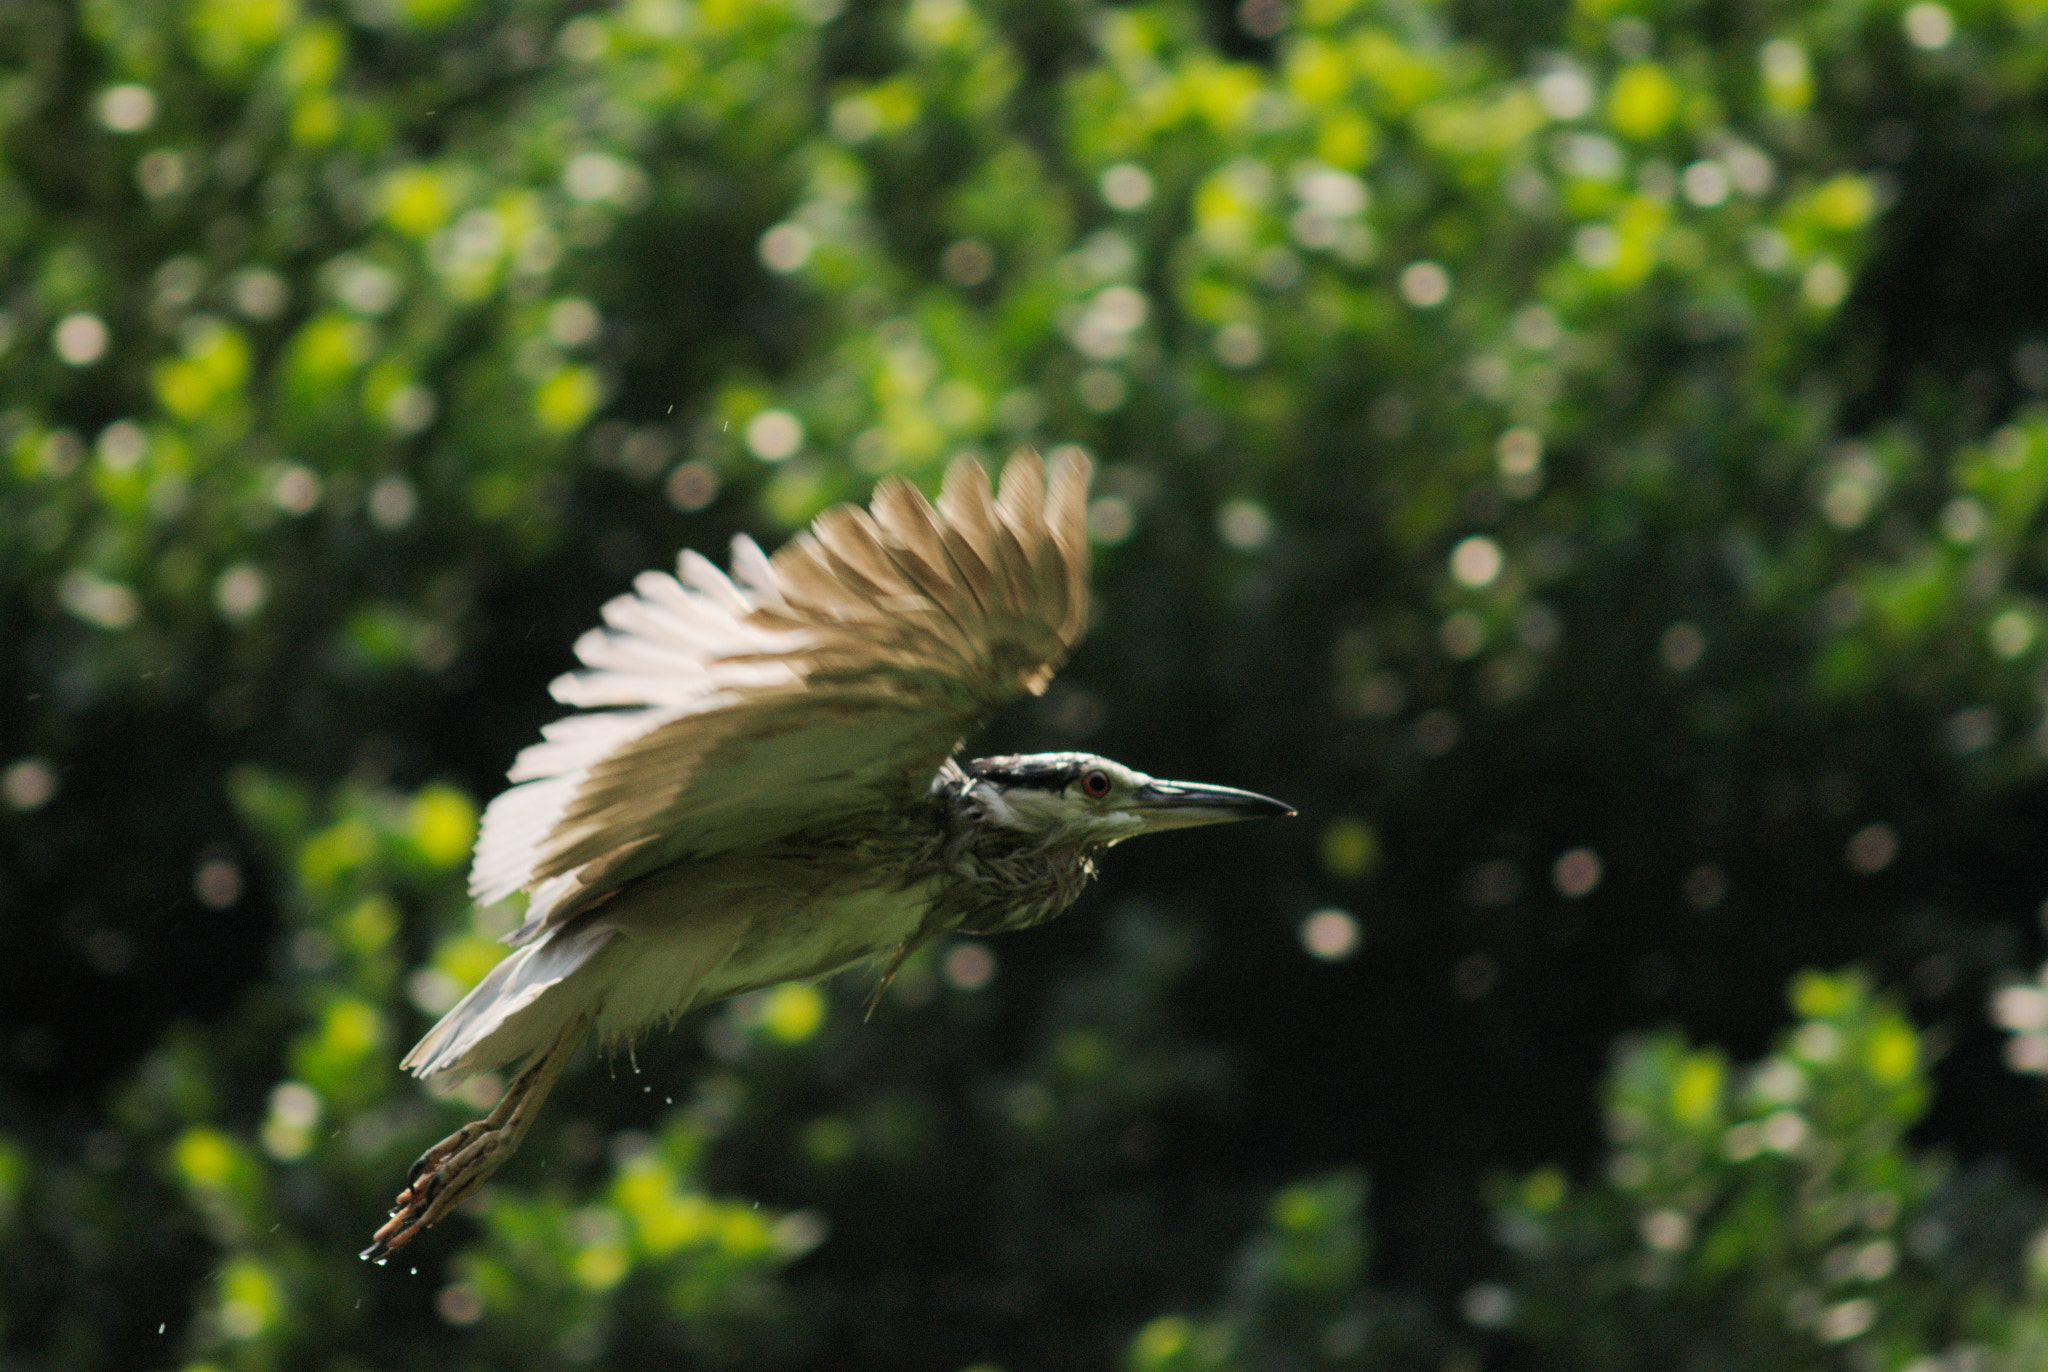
659	970
822	936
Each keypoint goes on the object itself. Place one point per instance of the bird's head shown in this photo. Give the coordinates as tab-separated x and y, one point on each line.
1083	800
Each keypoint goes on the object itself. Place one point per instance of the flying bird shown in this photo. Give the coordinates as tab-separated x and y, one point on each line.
761	787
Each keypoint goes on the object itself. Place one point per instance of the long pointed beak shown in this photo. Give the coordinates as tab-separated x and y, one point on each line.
1185	804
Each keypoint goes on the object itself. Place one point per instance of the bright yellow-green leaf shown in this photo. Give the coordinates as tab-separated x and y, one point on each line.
221	351
1787	73
251	1300
1642	100
1224	93
663	1218
1316	72
227	35
327	350
567	398
1816	995
1844	202
1161	1341
417	200
793	1011
1892	1053
369	925
468	957
351	1028
336	851
1405	79
1227	205
742	1231
205	1157
181	387
1696	1089
316	120
1476	125
314	55
1639	229
442	823
1346	139
599	1267
795	495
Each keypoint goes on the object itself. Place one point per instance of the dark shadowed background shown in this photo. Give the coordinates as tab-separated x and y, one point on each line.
1589	458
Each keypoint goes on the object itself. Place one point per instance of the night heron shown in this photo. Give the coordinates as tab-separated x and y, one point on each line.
762	787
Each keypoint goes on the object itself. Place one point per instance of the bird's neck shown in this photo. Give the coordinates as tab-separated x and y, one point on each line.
1001	878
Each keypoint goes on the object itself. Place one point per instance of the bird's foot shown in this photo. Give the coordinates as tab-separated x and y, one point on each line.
445	1176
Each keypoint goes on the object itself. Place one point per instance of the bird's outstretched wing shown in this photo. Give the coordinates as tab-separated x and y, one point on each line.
723	714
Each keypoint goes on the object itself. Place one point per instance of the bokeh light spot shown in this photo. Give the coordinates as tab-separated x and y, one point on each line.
128	108
1127	187
692	486
1425	285
968	965
1244	525
1111	520
1706	886
1576	873
793	1011
774	435
1929	27
80	339
1681	647
968	262
28	784
239	592
392	502
217	883
1239	344
785	248
1476	561
2011	633
1871	849
1330	934
459	1304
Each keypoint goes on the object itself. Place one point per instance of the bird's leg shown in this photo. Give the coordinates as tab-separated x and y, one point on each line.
450	1172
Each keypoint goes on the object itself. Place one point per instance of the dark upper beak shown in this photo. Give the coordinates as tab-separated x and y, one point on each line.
1184	804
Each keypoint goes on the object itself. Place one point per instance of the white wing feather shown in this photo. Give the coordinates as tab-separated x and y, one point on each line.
738	711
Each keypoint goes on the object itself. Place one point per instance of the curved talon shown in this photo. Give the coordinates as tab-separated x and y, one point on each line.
451	1171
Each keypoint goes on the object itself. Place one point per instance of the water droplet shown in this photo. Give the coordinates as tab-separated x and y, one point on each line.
382	1261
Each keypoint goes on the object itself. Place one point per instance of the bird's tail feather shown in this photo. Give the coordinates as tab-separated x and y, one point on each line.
509	1013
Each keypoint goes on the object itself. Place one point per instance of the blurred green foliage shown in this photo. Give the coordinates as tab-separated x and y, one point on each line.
1589	456
1773	1217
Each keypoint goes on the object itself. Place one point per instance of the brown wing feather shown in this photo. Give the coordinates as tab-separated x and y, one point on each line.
882	638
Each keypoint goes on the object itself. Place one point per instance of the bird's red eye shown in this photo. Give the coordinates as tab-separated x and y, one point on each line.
1095	785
